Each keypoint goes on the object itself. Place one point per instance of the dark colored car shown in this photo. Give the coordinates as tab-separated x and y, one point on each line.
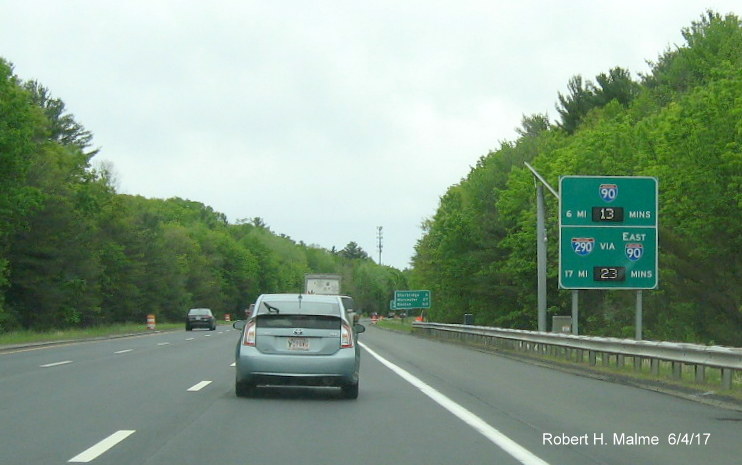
200	318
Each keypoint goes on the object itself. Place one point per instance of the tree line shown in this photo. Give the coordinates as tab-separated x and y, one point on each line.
680	123
75	253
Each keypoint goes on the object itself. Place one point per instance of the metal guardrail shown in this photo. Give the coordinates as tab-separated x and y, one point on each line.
726	359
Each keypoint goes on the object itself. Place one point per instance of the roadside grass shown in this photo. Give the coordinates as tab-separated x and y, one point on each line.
396	324
28	337
642	373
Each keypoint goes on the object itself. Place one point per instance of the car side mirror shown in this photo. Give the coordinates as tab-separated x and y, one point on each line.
239	324
359	328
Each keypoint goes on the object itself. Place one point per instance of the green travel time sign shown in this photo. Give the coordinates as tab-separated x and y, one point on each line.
608	232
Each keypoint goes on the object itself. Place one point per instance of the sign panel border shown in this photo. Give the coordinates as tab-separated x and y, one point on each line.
601	228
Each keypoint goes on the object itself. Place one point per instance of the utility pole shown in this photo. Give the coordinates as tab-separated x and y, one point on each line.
380	237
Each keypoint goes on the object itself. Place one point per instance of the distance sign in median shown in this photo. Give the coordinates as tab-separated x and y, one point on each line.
411	299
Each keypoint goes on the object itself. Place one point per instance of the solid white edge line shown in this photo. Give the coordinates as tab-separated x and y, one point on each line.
517	451
103	446
55	364
123	351
199	386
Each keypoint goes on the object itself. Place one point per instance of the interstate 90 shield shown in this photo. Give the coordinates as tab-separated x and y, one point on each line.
608	192
634	251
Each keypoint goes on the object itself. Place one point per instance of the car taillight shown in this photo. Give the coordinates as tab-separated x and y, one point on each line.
249	339
346	337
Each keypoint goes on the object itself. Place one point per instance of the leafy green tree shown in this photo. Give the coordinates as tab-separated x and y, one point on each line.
713	47
21	127
61	125
353	251
583	97
574	106
680	124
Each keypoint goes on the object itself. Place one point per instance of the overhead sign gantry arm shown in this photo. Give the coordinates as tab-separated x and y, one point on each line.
540	182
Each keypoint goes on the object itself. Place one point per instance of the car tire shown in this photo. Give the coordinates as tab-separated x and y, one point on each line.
242	389
212	328
350	391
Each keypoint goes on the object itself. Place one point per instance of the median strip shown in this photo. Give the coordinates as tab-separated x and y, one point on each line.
101	447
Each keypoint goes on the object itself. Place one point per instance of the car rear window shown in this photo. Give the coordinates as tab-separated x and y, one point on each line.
298	321
296	307
199	311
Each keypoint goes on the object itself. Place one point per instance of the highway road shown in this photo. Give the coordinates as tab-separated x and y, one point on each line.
168	398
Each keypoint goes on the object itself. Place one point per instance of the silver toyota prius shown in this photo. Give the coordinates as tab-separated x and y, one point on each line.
298	339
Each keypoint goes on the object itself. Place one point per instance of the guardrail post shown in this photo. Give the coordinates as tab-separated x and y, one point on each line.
726	378
700	374
591	354
655	363
677	370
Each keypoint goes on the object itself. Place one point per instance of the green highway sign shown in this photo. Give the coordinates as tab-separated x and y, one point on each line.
608	258
608	232
411	299
607	201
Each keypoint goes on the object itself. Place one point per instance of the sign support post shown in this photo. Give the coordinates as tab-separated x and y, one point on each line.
541	256
540	182
608	235
639	315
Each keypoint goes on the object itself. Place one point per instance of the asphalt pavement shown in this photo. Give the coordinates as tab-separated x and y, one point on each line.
168	398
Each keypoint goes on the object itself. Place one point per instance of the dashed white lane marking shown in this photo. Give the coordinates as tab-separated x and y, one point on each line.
55	364
163	343
123	351
190	338
100	448
199	386
517	451
234	364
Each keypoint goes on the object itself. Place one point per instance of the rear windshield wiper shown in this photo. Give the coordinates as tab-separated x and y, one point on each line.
271	308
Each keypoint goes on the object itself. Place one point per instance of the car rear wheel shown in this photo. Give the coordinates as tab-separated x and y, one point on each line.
242	389
350	391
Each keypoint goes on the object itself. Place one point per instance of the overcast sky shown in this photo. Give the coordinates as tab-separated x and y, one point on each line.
324	118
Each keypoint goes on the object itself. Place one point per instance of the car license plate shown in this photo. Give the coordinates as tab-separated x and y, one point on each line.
298	343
